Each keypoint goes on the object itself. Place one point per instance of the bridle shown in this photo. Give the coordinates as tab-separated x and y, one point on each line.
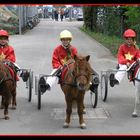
73	74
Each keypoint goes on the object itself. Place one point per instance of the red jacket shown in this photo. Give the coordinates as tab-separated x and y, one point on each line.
7	53
60	56
127	54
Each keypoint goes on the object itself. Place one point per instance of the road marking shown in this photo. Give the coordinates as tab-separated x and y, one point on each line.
97	113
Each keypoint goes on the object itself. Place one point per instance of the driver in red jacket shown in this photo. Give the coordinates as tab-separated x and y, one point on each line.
7	53
60	56
62	53
127	54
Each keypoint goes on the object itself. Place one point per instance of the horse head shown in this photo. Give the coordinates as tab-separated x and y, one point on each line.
82	72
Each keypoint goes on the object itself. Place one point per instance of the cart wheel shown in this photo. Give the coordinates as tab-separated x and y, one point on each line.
39	98
37	91
29	86
104	87
94	98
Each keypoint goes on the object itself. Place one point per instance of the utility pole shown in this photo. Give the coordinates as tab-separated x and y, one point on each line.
19	18
70	14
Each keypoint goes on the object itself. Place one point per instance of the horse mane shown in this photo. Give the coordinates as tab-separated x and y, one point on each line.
1	66
4	72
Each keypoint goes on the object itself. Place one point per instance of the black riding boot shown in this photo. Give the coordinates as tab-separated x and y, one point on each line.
113	80
95	83
43	85
24	75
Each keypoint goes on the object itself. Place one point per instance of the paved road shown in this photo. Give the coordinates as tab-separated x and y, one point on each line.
34	50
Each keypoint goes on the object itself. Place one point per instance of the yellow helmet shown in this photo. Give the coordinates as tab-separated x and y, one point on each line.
65	34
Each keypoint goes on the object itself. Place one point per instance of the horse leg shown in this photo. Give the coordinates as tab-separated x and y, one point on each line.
137	99
84	109
2	103
14	100
68	112
6	116
7	102
80	105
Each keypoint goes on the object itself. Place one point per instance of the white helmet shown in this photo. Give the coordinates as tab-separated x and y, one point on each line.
66	34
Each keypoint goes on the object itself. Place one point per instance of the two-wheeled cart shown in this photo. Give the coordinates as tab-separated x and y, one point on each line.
93	94
105	80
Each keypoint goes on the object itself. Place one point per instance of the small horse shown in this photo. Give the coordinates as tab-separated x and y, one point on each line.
134	75
75	81
7	89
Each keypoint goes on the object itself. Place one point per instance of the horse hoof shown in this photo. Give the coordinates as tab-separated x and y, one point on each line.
134	115
84	111
6	118
83	126
65	125
2	107
13	107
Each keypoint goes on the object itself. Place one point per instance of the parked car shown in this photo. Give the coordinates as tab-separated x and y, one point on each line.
79	16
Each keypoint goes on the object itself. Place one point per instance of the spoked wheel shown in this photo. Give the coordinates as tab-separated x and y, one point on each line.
104	87
29	85
38	92
94	98
39	99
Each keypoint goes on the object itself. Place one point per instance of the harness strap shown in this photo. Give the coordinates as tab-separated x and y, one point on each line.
68	84
1	80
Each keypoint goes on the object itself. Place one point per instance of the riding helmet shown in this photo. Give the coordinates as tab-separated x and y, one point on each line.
129	33
66	34
4	33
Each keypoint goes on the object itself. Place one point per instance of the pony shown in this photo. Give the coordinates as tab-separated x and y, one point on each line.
7	88
134	75
76	78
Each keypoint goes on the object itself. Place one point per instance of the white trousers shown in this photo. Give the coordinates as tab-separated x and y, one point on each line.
20	71
16	65
51	80
121	72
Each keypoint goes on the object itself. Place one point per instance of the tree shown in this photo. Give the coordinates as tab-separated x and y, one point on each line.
132	14
90	17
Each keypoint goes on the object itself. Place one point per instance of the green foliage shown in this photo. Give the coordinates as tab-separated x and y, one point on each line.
109	23
110	42
87	16
133	15
90	17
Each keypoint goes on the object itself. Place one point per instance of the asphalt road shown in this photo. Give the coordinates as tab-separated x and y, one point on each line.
34	50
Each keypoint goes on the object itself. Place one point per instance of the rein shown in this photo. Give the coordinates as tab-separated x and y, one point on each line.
1	81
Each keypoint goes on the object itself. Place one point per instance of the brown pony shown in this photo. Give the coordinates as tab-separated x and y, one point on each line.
74	84
7	89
